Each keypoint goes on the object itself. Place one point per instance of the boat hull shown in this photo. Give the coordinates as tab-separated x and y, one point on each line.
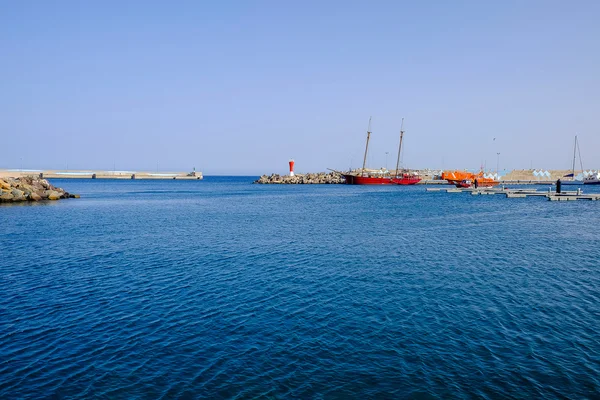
406	180
367	180
592	182
464	179
384	180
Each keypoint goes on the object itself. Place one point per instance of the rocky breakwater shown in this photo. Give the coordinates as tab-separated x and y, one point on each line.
30	189
302	179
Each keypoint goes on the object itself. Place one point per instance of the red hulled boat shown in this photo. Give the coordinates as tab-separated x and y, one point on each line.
381	177
405	179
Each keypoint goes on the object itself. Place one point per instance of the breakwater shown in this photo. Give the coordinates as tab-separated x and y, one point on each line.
302	179
99	174
30	189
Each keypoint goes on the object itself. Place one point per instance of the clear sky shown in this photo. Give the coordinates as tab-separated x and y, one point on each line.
240	87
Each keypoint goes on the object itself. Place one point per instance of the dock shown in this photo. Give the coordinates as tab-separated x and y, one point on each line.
100	174
521	193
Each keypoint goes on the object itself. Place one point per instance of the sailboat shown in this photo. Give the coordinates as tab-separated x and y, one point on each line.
381	177
590	179
573	181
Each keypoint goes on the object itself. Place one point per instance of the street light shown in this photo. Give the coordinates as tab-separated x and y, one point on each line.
497	163
386	154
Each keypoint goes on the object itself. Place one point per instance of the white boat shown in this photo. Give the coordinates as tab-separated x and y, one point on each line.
592	179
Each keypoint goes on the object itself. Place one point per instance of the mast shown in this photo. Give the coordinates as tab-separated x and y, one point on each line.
574	153
579	154
366	147
400	146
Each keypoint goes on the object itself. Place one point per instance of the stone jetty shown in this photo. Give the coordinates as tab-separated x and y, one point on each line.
302	179
100	174
28	188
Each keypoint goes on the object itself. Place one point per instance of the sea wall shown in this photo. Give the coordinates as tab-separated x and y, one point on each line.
100	174
30	189
302	179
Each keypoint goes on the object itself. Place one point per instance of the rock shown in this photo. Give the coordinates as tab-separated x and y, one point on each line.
54	195
17	193
74	196
26	187
34	197
4	185
6	197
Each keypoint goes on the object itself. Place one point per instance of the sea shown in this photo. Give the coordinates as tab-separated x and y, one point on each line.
222	289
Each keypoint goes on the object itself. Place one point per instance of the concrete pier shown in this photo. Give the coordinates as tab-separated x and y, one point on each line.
100	174
522	193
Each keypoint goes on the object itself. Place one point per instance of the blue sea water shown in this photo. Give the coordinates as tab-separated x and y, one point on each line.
223	289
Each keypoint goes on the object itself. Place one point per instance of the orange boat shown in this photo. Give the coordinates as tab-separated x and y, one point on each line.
466	179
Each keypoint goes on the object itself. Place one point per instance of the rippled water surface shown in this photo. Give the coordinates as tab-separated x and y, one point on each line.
223	289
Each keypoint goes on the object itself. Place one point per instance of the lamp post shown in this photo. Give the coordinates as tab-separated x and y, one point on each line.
386	154
497	163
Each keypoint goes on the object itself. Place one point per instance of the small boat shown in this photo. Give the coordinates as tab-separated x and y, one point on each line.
466	183
592	179
381	177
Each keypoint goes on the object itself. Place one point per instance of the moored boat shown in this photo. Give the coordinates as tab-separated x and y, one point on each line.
592	179
465	179
382	177
371	178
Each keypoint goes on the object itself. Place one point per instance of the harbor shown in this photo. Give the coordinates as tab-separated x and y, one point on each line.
434	177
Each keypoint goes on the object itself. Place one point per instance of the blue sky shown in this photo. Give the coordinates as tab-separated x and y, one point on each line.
240	87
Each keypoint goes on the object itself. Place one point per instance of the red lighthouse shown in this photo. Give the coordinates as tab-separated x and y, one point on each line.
291	167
